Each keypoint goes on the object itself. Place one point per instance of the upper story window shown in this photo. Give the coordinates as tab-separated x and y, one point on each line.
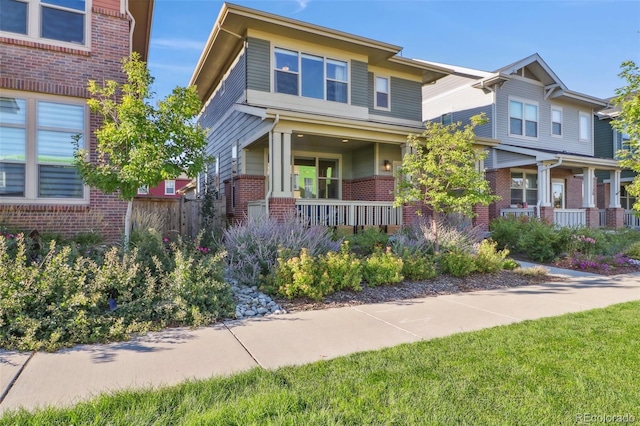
523	118
36	153
143	190
556	121
60	20
585	126
621	141
446	119
169	187
310	76
382	93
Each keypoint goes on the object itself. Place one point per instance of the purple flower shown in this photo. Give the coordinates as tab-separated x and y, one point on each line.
165	240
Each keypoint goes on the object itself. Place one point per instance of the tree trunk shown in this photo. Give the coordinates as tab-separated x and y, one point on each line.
127	225
434	227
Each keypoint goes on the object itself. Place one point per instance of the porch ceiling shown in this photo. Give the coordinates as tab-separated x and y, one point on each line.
516	156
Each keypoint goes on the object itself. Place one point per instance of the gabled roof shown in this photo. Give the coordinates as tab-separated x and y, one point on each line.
230	32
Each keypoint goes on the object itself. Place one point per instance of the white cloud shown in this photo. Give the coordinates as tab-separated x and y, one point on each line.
175	43
302	5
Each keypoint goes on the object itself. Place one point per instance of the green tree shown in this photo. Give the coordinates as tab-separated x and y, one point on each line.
441	171
628	99
138	143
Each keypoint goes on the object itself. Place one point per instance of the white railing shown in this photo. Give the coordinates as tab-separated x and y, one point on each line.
602	218
517	212
570	217
631	220
256	209
350	213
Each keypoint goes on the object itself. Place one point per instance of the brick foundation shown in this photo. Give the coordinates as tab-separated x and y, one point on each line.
546	214
500	184
244	188
481	217
372	188
281	208
615	217
593	217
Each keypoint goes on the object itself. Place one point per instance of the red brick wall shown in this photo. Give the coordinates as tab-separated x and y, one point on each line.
158	190
42	68
500	184
374	188
247	188
280	208
603	195
615	218
482	216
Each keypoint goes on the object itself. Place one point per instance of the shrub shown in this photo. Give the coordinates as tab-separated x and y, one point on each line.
506	232
66	299
539	241
634	251
510	264
382	267
417	266
488	259
253	246
366	241
316	277
457	263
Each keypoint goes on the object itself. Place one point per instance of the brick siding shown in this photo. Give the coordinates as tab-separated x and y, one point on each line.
42	68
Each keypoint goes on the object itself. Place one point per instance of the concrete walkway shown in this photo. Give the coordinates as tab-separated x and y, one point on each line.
38	379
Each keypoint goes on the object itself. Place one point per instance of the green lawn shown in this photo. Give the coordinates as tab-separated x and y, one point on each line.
547	371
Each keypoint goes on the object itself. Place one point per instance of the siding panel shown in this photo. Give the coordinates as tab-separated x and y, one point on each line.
359	83
222	101
258	64
405	99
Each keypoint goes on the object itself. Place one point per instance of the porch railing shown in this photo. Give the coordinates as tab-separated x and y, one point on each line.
602	218
570	217
349	213
517	212
631	220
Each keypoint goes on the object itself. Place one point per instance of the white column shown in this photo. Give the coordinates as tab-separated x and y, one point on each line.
544	183
614	189
588	199
286	165
275	164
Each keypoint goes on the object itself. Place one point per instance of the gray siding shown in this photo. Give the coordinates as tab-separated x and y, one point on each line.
510	157
254	159
222	101
237	127
363	162
603	138
405	99
258	64
569	141
359	84
445	84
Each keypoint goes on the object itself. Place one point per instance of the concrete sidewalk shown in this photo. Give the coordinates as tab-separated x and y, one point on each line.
38	379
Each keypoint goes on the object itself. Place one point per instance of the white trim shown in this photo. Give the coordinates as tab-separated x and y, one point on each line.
375	92
166	187
564	192
524	103
586	115
559	109
31	155
317	156
34	15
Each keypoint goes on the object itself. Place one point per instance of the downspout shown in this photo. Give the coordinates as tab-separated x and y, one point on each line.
270	191
545	169
132	26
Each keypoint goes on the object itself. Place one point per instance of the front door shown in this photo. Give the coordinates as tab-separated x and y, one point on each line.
557	191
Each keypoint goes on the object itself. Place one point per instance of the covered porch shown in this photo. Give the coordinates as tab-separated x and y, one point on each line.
329	173
557	187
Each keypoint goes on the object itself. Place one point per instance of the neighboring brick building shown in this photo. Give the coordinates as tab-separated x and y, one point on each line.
49	52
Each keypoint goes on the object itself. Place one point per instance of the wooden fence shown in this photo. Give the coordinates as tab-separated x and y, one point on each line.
176	215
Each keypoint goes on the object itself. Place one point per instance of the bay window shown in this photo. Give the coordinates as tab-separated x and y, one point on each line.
59	20
37	147
310	76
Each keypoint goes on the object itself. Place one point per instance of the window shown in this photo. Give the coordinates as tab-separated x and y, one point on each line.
143	190
556	121
446	119
60	20
523	119
524	188
585	127
36	153
626	200
169	187
316	177
621	141
310	76
382	93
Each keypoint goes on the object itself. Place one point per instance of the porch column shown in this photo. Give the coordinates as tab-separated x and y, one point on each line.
544	185
615	212
614	189
588	188
280	164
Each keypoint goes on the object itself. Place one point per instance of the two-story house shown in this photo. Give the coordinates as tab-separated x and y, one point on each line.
544	164
307	119
608	142
49	50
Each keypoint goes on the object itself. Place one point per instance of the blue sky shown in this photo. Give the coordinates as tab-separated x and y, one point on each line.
584	42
